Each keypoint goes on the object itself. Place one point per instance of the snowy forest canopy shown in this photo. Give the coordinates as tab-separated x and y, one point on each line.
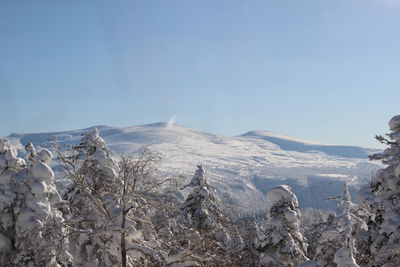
116	211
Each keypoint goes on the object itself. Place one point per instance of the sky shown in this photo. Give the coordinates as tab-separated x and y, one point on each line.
323	70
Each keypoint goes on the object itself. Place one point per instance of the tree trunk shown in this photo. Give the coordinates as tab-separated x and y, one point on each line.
123	245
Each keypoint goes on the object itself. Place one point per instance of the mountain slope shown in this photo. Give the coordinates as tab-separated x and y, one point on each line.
294	144
241	167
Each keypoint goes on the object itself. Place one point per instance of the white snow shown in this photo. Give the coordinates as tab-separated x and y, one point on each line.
283	244
343	258
309	264
2	146
394	123
45	156
42	171
280	192
232	162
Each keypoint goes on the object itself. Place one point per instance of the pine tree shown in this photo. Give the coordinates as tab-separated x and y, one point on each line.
384	200
35	226
314	232
284	245
10	166
251	254
202	208
344	257
328	243
205	227
337	244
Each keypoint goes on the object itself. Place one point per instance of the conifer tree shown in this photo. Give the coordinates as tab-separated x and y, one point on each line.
251	253
384	200
284	245
203	223
337	244
32	220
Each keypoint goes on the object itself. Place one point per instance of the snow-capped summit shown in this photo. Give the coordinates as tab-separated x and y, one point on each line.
241	166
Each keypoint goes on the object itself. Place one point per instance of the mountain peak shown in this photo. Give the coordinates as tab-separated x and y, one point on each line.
239	164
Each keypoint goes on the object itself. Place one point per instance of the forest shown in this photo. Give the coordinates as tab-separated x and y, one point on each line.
116	211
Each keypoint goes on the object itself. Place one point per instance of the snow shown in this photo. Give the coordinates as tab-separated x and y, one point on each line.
394	123
45	156
201	209
309	264
93	139
38	188
329	234
301	145
183	260
2	146
233	163
280	192
26	198
35	196
343	258
42	171
283	244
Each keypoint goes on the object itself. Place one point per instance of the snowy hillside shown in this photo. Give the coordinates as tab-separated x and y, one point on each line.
242	168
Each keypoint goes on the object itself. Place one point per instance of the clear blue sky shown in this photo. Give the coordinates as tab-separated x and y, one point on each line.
328	71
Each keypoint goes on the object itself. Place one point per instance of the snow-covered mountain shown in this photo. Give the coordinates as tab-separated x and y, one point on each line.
243	167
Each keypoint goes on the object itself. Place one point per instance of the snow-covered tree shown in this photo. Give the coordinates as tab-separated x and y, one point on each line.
39	222
284	245
337	244
314	232
10	166
35	226
328	243
250	252
344	257
202	208
204	226
109	202
384	197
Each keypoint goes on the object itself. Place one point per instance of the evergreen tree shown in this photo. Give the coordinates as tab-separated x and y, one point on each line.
314	233
251	253
337	244
204	227
10	166
384	200
344	257
202	208
284	245
34	224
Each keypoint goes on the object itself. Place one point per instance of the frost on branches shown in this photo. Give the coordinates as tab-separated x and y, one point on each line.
105	199
30	221
314	232
10	166
202	209
250	252
337	244
283	245
345	256
205	227
385	200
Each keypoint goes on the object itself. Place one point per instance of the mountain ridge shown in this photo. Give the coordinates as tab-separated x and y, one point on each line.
253	133
241	167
